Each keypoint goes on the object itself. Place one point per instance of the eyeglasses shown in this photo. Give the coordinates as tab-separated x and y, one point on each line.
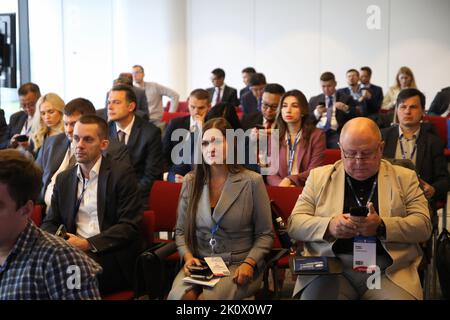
363	156
272	107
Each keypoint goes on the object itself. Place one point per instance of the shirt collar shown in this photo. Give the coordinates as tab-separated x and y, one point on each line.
127	130
94	171
221	87
415	134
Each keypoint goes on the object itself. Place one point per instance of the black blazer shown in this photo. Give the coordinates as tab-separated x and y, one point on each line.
118	205
244	91
431	164
250	120
368	106
3	128
145	151
229	95
341	116
249	103
168	144
16	122
440	102
54	150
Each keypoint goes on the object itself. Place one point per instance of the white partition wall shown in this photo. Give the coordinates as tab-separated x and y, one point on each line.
78	46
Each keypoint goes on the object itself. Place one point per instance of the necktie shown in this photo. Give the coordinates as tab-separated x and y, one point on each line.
121	136
218	96
329	113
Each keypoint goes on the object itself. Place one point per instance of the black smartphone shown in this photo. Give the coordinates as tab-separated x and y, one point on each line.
359	211
197	269
22	138
207	276
62	232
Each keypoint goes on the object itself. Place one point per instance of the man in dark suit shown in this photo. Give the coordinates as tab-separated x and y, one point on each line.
198	108
252	101
411	140
441	103
246	76
331	110
266	117
57	152
20	122
371	95
142	138
220	92
126	78
98	203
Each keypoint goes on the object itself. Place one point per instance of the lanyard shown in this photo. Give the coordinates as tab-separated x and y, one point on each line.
354	193
213	241
292	150
403	150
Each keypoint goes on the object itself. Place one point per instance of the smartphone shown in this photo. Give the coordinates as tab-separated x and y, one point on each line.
22	138
204	275
62	232
359	211
197	269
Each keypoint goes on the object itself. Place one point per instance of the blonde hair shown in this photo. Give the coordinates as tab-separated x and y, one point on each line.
408	72
38	129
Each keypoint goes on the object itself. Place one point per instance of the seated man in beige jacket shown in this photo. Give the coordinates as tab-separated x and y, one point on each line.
386	240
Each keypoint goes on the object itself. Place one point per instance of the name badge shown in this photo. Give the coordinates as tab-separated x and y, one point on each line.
217	266
364	253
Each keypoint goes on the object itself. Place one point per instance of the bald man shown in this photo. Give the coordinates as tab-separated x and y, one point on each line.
394	219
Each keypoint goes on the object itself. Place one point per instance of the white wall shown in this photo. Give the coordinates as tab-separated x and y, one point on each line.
78	46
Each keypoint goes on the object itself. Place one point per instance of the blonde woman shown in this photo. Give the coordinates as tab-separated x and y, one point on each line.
404	79
47	120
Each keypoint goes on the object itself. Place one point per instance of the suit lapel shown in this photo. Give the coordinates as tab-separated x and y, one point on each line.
420	150
113	131
135	133
231	190
70	197
102	189
391	142
384	188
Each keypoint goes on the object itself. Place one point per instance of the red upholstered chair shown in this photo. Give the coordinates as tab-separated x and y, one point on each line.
148	229
332	155
36	215
183	106
285	199
167	116
441	126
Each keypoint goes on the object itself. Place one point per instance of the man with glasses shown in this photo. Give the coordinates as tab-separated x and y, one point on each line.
20	122
384	238
410	140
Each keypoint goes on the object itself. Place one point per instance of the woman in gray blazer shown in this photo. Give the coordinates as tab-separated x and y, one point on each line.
230	205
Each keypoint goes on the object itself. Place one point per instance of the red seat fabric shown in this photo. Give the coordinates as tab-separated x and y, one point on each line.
332	155
167	116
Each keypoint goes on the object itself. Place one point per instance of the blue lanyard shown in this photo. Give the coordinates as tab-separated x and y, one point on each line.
213	241
292	150
354	193
403	150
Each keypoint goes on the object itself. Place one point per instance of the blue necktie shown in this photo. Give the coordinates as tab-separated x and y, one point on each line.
329	113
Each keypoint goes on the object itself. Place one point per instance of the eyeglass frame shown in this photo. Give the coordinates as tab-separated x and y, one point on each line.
273	107
372	156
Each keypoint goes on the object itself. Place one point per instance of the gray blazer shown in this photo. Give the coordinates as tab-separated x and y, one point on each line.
246	227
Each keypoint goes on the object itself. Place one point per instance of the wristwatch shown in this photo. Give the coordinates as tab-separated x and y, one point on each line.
381	230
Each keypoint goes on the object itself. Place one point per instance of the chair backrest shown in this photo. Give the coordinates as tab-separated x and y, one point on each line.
285	198
183	106
163	201
332	155
441	126
36	215
167	116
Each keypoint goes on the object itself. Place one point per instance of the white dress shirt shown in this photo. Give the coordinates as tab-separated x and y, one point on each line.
127	130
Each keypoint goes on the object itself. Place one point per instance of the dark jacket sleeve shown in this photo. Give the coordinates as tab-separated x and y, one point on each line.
153	163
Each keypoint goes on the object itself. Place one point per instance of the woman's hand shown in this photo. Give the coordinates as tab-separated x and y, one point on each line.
189	261
244	273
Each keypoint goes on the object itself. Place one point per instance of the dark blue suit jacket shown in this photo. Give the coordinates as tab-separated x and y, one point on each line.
249	103
145	151
229	95
16	122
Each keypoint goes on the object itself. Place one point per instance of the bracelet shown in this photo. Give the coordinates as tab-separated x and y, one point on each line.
253	267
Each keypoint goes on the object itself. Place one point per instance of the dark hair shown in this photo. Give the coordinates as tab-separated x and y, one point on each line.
124	78
100	122
202	175
80	105
248	70
139	66
368	70
274	88
409	93
307	123
220	73
327	76
29	87
21	175
227	111
257	79
200	94
130	95
352	70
